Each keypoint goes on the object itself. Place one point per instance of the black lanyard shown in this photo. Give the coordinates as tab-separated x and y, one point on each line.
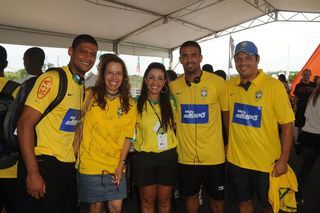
156	115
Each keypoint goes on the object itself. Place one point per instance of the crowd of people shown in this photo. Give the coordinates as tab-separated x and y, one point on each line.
195	129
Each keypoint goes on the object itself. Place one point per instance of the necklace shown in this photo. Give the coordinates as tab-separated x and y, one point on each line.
112	94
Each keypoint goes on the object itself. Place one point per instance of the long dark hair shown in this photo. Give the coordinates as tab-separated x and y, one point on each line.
164	102
315	95
99	90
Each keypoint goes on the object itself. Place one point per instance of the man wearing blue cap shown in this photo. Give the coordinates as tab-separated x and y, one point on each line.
257	103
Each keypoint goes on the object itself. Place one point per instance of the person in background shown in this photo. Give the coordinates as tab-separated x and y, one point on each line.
171	76
108	126
310	140
285	83
33	60
316	79
200	96
48	167
208	68
301	93
8	177
254	143
221	73
156	160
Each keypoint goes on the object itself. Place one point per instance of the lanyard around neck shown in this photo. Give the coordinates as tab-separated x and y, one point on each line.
156	114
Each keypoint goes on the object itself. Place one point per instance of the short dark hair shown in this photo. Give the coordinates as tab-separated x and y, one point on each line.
221	73
83	38
172	75
36	56
3	58
282	77
190	44
208	68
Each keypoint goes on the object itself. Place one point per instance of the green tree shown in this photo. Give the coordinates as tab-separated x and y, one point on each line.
16	75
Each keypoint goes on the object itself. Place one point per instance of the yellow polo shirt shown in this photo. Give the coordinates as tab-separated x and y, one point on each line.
147	126
55	132
254	141
199	126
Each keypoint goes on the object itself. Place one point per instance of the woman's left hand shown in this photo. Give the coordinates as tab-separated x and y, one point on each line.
118	175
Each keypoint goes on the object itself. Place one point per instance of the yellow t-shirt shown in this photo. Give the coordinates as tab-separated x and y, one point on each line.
254	141
104	133
12	171
147	127
55	132
199	128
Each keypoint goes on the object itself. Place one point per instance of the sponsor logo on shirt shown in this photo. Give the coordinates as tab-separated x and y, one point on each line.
70	120
247	115
194	113
44	87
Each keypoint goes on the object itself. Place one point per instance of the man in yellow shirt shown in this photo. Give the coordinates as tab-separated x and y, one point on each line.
8	177
200	96
48	155
257	103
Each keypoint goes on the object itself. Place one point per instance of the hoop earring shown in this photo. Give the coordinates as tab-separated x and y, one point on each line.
166	89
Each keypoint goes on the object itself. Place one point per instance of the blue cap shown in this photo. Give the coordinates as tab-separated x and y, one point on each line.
247	47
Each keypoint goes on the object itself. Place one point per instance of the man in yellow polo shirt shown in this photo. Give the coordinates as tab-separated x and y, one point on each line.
200	97
257	103
8	177
48	153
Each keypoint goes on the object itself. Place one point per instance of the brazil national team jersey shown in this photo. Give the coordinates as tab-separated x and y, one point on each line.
147	130
199	126
254	141
104	133
55	132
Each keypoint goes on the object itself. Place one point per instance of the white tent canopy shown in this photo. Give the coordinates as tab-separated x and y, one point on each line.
135	27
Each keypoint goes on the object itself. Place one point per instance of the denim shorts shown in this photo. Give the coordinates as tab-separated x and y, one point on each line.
97	188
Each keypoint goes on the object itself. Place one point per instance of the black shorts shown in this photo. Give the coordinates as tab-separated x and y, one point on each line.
61	187
155	168
8	194
243	183
192	176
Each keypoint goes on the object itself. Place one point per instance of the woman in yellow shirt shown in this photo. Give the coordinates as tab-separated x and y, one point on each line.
155	161
108	127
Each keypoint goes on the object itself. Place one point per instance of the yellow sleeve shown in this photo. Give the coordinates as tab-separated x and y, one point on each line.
44	91
174	108
223	96
132	124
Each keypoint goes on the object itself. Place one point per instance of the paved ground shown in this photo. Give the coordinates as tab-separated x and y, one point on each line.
312	200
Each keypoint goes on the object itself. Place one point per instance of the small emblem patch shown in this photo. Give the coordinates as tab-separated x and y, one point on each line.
259	94
204	93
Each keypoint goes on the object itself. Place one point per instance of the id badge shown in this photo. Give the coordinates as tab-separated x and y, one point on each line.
162	141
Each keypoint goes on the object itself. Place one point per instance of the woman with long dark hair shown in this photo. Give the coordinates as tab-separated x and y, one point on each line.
108	127
155	161
310	139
